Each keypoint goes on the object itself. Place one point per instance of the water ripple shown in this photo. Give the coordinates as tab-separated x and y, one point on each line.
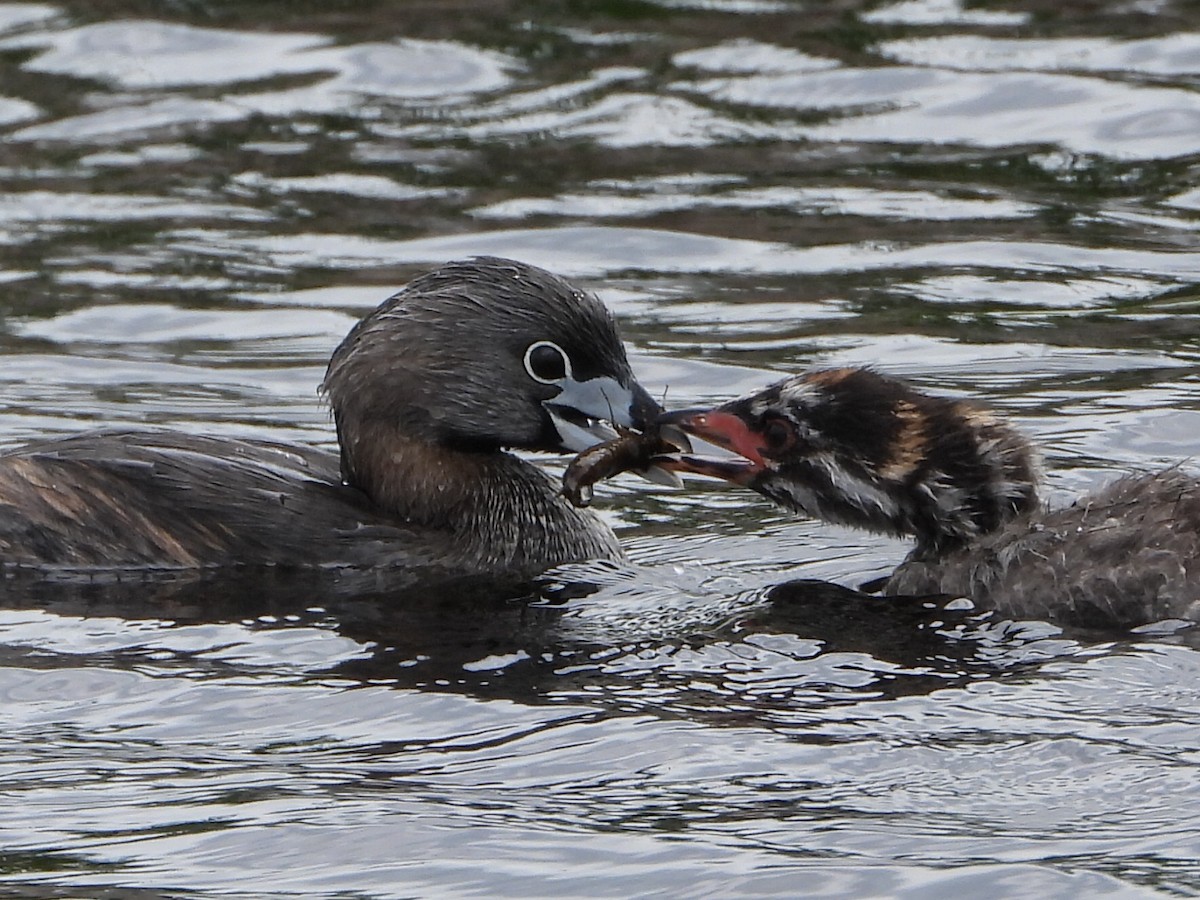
992	203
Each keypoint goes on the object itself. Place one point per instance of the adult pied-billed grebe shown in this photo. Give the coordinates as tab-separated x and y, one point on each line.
427	392
854	447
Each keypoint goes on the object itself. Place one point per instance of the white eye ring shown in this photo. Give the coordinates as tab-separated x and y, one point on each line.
544	377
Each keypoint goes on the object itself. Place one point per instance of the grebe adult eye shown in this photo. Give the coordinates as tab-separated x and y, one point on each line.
778	433
547	362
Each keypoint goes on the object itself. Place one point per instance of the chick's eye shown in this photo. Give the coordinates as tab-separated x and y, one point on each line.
547	362
779	434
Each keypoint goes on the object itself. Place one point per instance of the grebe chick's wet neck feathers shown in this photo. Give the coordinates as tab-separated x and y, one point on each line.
854	447
428	392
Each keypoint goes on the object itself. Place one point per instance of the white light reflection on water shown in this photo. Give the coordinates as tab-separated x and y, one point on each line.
647	199
136	54
151	55
597	250
1176	54
940	12
908	104
14	16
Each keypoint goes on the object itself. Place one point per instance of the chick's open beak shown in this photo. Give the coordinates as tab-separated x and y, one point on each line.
742	459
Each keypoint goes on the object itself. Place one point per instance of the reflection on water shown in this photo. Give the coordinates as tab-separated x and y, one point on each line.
994	201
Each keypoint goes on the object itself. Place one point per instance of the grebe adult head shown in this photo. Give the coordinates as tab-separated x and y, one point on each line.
473	358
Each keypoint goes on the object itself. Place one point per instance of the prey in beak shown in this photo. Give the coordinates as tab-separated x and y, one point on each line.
649	453
613	427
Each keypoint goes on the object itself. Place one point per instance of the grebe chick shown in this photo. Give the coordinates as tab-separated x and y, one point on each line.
428	391
853	447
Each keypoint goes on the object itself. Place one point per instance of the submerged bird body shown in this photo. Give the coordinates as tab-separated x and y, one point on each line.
113	500
1125	556
428	392
856	448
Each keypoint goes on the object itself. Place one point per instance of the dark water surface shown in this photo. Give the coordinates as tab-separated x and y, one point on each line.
999	201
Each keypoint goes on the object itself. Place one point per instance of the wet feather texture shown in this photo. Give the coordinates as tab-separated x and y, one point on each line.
868	451
427	392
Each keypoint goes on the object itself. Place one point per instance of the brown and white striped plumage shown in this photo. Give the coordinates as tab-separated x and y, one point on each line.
854	447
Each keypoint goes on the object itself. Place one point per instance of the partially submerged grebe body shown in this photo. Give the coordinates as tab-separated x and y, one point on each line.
428	392
853	447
